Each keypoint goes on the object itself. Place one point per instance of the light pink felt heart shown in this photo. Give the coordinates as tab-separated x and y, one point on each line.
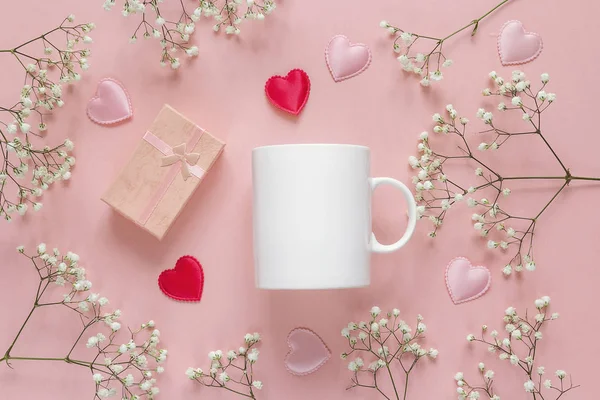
345	59
111	104
466	282
307	352
515	46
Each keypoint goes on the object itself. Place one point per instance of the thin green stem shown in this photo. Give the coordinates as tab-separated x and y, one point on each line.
584	178
475	21
551	200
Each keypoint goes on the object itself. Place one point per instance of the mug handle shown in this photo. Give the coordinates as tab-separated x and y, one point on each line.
377	247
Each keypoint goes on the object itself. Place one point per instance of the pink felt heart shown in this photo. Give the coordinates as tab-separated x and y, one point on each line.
516	46
111	104
466	282
345	59
307	352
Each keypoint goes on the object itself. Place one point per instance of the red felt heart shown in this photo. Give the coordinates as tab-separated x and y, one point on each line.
289	93
184	282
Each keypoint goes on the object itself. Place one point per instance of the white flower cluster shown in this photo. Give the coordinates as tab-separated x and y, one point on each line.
42	92
419	63
175	36
241	361
386	340
140	357
436	193
521	336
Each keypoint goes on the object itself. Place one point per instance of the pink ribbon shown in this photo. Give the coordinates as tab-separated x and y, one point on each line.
180	162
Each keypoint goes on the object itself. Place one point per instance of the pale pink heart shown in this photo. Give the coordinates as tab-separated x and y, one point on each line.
307	352
466	282
345	59
111	104
515	46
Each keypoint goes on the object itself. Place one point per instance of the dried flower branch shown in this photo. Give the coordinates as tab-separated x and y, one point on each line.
389	342
127	368
436	193
236	373
523	337
174	35
41	93
419	63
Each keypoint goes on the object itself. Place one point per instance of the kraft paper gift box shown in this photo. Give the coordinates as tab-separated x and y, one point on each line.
169	163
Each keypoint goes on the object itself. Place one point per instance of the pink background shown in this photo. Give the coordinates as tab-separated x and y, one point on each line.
382	108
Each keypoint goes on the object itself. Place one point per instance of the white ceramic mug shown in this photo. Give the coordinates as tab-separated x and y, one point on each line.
312	216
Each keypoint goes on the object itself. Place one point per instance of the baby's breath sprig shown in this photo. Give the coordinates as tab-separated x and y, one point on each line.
436	192
41	94
174	35
428	65
232	371
121	363
519	348
388	341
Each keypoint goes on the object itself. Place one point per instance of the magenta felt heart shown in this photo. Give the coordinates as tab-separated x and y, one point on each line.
345	59
185	282
466	282
307	352
515	46
111	104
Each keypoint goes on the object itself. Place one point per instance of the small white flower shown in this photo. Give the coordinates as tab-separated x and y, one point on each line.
514	360
470	337
436	75
92	342
406	37
561	374
384	24
257	384
424	82
224	377
253	356
545	78
97	378
447	63
516	101
530	266
529	386
548	384
190	373
375	311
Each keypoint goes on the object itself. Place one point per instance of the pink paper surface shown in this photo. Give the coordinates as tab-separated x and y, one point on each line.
385	109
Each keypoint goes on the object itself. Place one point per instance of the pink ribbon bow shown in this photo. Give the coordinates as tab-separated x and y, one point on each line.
172	156
188	160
